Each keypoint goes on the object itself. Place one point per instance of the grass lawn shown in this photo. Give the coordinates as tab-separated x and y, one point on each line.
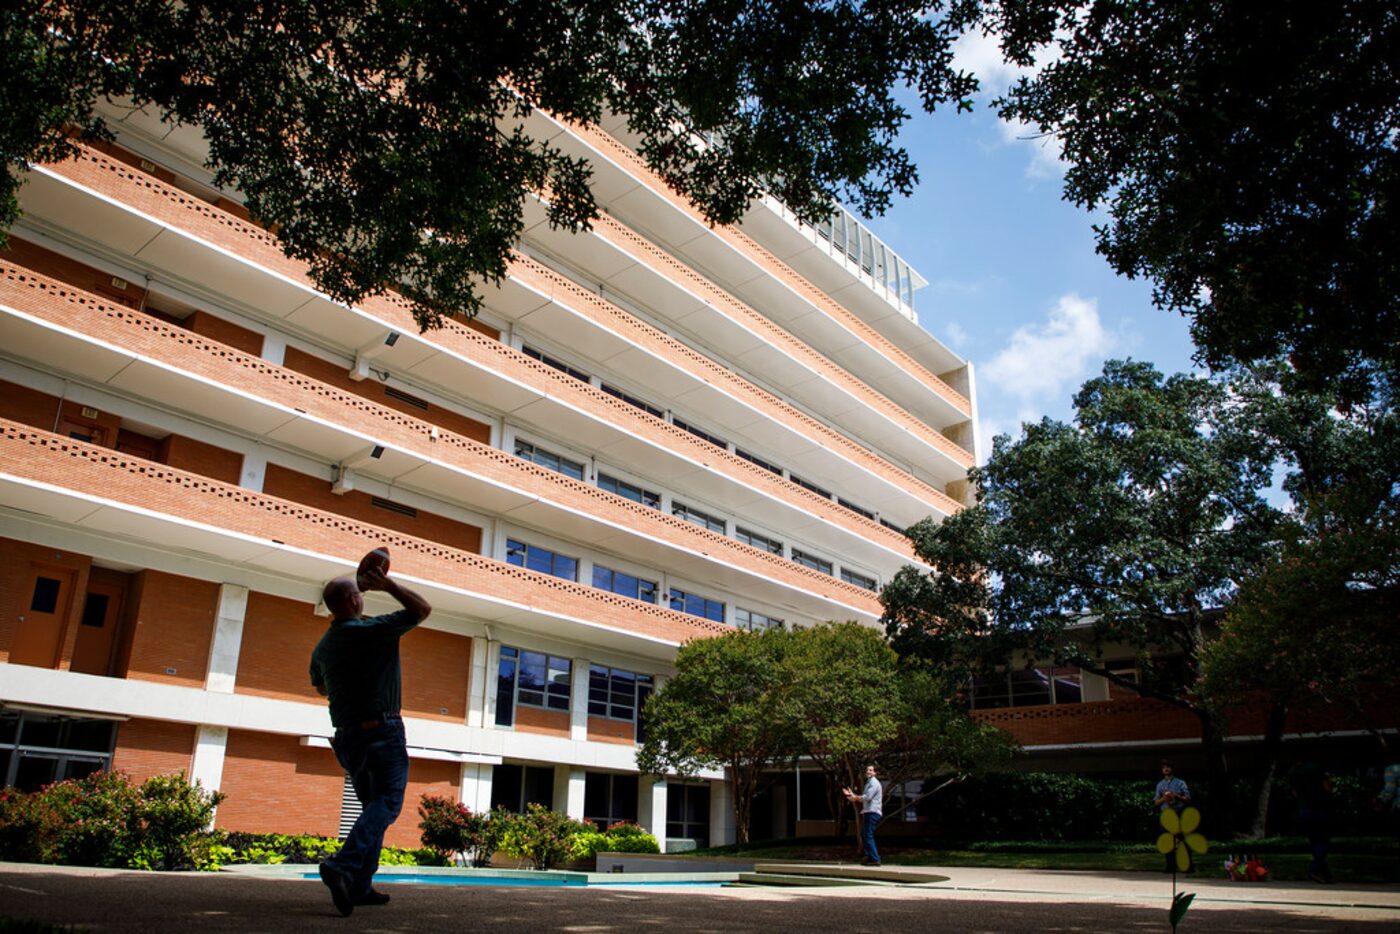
1352	859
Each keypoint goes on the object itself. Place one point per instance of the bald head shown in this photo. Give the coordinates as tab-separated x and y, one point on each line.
342	597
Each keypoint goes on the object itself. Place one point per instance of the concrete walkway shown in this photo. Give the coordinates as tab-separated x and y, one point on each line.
974	900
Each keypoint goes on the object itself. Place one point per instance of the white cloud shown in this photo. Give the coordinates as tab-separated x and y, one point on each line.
981	55
1043	360
957	334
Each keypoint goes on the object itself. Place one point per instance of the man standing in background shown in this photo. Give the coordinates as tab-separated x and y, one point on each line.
871	809
356	665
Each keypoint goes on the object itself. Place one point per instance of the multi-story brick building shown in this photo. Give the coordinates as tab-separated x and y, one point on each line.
654	431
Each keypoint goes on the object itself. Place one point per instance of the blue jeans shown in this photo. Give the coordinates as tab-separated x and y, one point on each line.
377	763
868	820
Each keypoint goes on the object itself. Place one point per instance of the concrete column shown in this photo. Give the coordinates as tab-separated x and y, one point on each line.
207	765
254	471
722	830
479	681
274	349
476	786
578	702
651	808
571	781
228	638
492	651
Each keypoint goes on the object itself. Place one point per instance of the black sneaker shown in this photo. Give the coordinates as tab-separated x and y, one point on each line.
372	897
339	885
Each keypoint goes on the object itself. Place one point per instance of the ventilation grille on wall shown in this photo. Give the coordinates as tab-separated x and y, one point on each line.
392	506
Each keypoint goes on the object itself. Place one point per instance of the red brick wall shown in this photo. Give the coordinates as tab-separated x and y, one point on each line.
603	730
204	459
1094	722
71	271
153	747
225	332
276	785
28	405
315	492
278	636
535	720
174	627
436	674
374	390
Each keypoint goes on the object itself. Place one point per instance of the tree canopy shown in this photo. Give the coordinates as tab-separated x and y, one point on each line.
384	142
1133	527
1248	158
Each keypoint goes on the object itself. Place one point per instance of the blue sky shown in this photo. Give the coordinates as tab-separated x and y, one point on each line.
1015	284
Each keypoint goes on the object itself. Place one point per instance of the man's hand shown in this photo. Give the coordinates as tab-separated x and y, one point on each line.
372	578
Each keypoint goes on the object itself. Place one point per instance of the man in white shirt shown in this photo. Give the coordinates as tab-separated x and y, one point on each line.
871	809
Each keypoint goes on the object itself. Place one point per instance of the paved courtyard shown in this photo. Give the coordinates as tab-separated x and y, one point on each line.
979	900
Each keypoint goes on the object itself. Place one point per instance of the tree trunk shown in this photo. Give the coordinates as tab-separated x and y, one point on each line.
1273	742
1217	777
741	790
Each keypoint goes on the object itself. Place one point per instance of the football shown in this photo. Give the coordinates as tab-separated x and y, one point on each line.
378	558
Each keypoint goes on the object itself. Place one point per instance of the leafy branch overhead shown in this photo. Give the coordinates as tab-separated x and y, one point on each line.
386	143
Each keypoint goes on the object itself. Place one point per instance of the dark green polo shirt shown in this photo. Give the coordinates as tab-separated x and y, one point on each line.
357	662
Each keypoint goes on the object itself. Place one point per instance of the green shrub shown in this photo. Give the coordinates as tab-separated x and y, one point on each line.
1046	806
103	820
619	838
541	836
309	849
449	827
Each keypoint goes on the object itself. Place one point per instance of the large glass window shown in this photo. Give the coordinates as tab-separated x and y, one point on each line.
754	621
555	362
535	558
691	514
515	786
696	605
688	812
750	537
860	580
811	561
629	585
531	679
630	490
609	799
38	749
1023	687
617	694
633	400
548	459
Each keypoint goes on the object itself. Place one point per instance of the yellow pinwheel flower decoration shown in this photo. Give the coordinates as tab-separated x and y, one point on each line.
1181	836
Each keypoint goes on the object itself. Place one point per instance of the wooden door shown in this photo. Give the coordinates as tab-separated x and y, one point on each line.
97	627
39	629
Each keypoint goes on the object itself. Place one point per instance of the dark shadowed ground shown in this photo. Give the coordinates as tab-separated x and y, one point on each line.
987	901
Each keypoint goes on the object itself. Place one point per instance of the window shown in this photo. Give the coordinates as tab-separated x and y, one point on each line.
629	490
535	558
628	585
633	400
515	786
530	679
892	527
558	364
548	459
688	812
1025	687
1066	685
700	433
754	621
808	485
617	694
45	598
752	459
811	561
858	510
39	749
691	514
696	605
860	580
750	537
609	799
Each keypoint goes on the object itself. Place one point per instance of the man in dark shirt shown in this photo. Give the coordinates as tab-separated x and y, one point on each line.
356	665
